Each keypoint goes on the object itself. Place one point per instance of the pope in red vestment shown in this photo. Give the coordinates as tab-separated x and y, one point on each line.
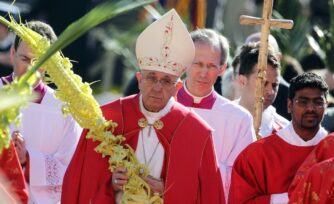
11	172
189	170
182	159
314	181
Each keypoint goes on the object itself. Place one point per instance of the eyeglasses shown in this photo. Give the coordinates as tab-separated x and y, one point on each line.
209	66
315	103
166	83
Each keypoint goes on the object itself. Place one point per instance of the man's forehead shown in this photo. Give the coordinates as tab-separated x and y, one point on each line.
309	92
212	47
24	49
159	74
269	68
23	46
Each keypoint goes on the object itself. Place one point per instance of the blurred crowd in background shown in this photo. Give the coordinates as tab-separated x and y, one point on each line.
105	55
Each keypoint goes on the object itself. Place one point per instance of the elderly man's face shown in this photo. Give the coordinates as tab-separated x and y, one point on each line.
156	89
204	71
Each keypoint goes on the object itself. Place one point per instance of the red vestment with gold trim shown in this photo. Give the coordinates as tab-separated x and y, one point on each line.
190	171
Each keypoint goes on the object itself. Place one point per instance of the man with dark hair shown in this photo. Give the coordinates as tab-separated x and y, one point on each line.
263	172
21	54
248	57
232	124
45	140
41	28
283	87
311	183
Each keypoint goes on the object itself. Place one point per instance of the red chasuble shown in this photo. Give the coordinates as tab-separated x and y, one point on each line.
190	169
12	172
264	168
314	181
317	187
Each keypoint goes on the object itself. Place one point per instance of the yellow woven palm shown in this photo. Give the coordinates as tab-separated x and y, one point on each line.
80	103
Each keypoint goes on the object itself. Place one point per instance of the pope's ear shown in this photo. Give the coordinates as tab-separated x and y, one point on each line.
138	76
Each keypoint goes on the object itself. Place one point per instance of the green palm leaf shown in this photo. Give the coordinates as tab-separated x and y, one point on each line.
10	104
13	100
95	17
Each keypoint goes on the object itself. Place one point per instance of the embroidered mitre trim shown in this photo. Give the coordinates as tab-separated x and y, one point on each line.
163	62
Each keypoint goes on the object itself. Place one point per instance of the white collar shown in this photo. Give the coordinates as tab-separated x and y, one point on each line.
197	99
154	116
237	101
289	135
267	121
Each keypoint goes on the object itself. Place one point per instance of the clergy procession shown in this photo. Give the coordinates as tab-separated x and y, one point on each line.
216	114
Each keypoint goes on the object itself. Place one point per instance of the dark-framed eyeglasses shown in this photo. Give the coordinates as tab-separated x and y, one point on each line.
318	103
166	83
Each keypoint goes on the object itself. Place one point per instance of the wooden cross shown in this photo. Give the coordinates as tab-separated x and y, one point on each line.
266	22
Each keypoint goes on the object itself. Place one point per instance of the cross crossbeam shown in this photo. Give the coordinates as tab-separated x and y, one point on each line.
266	23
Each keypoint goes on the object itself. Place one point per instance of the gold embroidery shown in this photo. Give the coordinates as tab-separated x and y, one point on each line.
158	124
142	122
315	196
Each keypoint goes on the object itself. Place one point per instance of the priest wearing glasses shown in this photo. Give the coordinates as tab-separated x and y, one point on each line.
171	140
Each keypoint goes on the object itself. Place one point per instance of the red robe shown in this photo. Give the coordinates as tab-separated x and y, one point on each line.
317	187
264	168
10	168
190	169
312	183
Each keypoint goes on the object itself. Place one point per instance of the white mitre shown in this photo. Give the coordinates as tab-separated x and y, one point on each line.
165	46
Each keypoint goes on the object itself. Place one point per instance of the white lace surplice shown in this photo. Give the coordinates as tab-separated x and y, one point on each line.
51	139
